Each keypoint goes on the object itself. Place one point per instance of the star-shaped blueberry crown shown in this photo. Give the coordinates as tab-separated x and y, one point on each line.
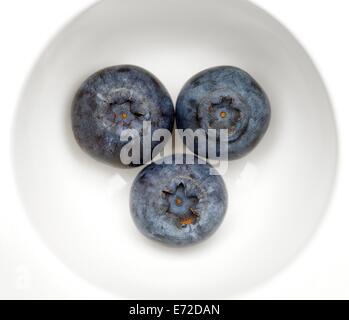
121	114
223	115
182	206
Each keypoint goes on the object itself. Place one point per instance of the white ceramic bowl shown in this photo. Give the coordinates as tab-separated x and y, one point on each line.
278	193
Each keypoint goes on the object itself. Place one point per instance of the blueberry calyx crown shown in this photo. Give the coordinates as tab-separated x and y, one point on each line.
181	206
224	110
122	108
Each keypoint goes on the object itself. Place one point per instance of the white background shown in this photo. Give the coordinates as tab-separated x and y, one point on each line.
320	272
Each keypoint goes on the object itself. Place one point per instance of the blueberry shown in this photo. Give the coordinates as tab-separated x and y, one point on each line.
224	98
178	204
115	99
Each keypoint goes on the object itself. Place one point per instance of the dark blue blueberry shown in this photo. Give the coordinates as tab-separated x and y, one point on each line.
224	98
178	204
115	99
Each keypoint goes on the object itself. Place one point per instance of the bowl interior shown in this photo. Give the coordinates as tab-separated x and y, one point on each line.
278	193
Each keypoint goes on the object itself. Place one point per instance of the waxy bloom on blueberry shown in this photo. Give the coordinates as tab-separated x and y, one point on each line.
225	98
114	100
178	204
